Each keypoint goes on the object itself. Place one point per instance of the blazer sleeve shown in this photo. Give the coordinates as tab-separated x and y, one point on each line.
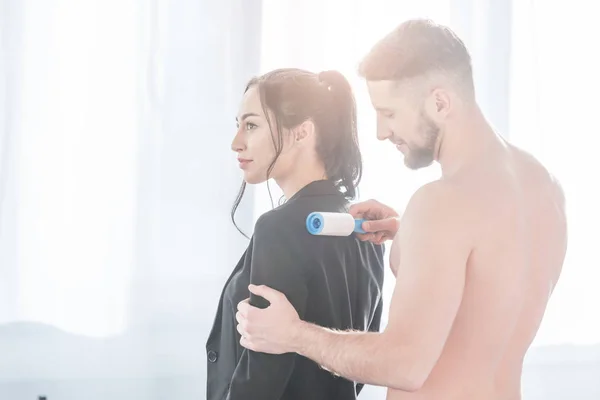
278	263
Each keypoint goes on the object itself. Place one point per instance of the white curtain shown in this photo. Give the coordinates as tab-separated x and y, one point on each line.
536	86
116	180
69	162
554	114
553	110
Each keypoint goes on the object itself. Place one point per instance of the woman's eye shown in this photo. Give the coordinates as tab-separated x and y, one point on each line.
250	126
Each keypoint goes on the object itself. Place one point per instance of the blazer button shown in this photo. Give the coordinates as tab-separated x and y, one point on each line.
212	356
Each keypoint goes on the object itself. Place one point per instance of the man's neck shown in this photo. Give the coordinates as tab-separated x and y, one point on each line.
465	142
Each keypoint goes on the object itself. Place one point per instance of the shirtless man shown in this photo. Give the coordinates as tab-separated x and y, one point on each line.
477	253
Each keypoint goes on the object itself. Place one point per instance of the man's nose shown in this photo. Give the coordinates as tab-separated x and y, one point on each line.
383	132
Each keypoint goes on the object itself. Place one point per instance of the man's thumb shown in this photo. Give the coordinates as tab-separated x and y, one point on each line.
265	292
381	225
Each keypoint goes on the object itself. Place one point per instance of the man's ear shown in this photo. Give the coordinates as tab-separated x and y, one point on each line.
304	131
438	105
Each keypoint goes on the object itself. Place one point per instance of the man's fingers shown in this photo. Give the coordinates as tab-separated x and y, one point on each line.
365	237
247	344
241	330
240	318
379	237
242	326
244	308
358	210
376	238
382	225
271	295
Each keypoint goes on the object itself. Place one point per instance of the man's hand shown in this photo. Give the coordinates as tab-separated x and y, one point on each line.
381	224
270	330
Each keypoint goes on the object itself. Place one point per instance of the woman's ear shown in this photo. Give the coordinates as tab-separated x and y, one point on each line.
304	131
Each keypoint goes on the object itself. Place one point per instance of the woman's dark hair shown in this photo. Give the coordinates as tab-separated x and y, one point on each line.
294	96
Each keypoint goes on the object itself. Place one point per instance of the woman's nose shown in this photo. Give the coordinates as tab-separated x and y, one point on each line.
237	144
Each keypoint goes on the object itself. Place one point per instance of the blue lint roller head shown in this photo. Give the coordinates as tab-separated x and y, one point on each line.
333	224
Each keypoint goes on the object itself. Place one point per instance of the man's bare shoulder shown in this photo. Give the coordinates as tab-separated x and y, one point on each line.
558	191
540	175
441	204
440	196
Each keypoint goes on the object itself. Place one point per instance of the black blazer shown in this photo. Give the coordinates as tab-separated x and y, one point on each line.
334	282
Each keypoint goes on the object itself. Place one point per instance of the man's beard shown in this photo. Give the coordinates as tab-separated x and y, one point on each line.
424	155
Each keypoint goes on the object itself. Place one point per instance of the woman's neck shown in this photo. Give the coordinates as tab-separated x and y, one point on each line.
292	184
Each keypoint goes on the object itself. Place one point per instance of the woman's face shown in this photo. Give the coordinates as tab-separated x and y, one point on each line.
254	141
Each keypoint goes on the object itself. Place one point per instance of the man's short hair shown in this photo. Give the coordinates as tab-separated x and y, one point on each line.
417	48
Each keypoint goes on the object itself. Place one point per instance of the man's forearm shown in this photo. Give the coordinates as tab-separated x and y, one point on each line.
358	356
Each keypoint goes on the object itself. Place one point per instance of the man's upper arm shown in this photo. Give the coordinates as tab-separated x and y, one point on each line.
374	326
436	241
278	264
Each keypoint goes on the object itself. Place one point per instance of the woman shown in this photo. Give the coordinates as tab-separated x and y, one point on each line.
298	128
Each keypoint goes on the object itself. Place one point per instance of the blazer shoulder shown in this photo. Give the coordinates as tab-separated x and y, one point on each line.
276	225
288	221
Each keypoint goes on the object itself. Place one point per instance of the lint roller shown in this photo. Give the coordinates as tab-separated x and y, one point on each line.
333	224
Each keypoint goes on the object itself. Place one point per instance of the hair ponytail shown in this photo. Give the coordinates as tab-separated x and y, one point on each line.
338	144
